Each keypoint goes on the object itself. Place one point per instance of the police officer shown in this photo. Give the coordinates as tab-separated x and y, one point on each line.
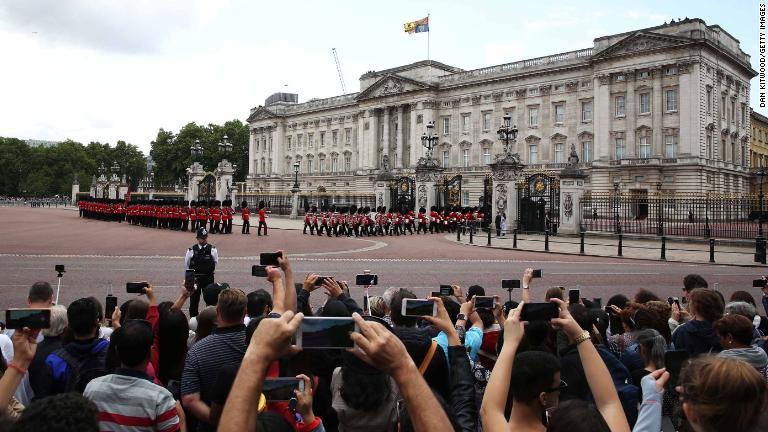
202	258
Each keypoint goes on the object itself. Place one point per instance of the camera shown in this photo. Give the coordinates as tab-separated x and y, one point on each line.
510	284
60	268
446	290
366	279
259	270
135	287
270	258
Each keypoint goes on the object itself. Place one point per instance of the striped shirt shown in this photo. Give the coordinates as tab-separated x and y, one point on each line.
128	401
205	358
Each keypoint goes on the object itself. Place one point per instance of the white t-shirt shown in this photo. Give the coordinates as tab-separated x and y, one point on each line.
6	346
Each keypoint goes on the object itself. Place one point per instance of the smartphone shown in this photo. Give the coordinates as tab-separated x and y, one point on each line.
367	279
270	258
758	283
109	306
537	273
259	270
485	302
281	389
189	280
446	290
574	295
321	280
670	300
510	283
326	333
539	311
135	287
31	318
674	360
436	294
298	286
418	308
60	268
597	303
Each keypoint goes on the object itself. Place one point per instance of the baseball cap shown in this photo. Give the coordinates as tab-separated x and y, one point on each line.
202	232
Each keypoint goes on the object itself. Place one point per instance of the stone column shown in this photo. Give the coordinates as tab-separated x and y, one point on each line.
630	114
251	153
373	145
399	138
415	138
224	179
657	108
505	194
196	174
426	177
385	137
382	192
278	161
75	190
601	111
362	155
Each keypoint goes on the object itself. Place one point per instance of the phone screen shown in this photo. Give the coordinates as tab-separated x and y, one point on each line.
597	303
281	389
135	287
326	333
366	279
510	283
574	296
31	318
485	302
539	311
446	290
418	307
189	280
109	306
674	361
270	258
537	273
758	283
259	270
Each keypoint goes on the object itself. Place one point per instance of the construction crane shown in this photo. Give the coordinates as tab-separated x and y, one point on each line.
338	69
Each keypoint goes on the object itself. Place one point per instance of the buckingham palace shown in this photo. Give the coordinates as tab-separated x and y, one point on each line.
664	108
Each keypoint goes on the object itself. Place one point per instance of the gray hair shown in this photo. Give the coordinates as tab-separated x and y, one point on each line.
654	346
376	305
389	294
58	321
741	308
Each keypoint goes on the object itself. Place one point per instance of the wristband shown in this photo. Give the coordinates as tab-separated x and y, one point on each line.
461	317
18	368
584	336
525	287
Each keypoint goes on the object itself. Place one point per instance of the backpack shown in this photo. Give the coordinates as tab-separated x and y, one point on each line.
84	369
202	260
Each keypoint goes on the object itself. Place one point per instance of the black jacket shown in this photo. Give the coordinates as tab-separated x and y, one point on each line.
418	341
463	408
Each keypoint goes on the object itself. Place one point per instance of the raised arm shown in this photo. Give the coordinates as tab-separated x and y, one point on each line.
290	291
527	278
382	349
599	379
278	290
24	347
495	398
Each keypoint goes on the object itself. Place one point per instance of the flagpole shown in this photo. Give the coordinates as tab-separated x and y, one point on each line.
429	61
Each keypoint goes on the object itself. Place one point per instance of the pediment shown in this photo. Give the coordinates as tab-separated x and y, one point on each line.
558	137
641	42
390	85
261	113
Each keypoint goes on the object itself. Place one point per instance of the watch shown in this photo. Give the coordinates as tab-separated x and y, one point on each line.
461	317
584	336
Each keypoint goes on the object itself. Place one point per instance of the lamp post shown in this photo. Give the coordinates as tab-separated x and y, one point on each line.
225	146
296	166
659	210
617	205
429	139
507	133
760	173
196	149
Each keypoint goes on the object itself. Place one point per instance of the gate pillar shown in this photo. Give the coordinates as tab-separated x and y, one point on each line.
427	174
195	174
571	191
505	173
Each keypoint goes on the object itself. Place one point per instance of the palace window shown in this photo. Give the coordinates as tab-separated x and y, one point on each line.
465	123
733	111
533	154
709	100
322	165
559	152
709	145
559	113
487	155
322	139
621	147
586	151
289	143
465	198
348	136
446	125
263	166
722	108
722	149
533	116
671	100
311	140
619	102
298	140
446	158
644	74
334	163
644	147
645	103
347	162
335	137
309	166
670	70
486	122
586	111
465	157
670	146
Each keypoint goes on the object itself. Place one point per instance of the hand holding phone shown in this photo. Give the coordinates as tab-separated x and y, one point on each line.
189	280
484	302
259	271
418	308
136	287
574	296
326	333
537	273
270	258
366	279
539	311
30	318
109	307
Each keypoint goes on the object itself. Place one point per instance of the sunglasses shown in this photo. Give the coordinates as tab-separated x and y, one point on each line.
563	385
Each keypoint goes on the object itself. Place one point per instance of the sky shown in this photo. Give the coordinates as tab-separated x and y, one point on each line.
105	70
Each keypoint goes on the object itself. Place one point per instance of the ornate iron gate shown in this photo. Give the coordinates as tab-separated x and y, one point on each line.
486	201
538	207
403	194
449	192
206	189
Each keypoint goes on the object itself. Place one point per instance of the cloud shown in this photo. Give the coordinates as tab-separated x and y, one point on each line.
138	26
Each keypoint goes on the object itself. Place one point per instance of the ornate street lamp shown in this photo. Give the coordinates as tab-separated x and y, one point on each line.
760	173
296	166
196	149
225	146
102	170
429	140
617	205
115	168
507	133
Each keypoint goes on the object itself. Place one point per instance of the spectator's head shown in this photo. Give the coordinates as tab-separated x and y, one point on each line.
486	316
172	335
475	290
66	412
388	295
452	308
652	347
576	415
211	293
535	380
693	281
99	307
335	308
741	308
722	394
644	296
40	295
554	292
259	303
395	308
230	309
58	322
83	318
206	322
134	344
705	304
735	331
581	315
376	305
135	309
647	318
358	378
661	307
743	296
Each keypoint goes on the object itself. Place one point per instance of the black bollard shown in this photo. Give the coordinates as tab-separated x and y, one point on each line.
514	238
458	234
489	235
621	245
546	240
581	242
711	250
470	236
663	248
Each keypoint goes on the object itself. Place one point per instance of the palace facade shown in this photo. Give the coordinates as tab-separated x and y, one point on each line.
664	108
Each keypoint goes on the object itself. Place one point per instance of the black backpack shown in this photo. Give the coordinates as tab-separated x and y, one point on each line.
202	260
86	368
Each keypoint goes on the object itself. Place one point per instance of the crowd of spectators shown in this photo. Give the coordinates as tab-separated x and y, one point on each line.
17	201
693	363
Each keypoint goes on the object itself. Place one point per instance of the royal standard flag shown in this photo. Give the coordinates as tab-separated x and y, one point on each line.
419	26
